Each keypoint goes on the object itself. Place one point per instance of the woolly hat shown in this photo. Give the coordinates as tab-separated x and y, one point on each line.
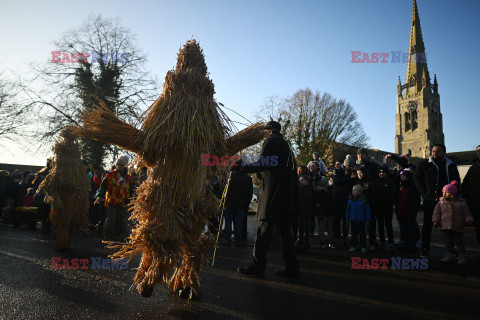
273	125
407	173
451	187
362	150
406	157
384	168
313	162
123	160
348	161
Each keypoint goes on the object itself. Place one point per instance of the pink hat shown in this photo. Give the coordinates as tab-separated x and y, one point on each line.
451	188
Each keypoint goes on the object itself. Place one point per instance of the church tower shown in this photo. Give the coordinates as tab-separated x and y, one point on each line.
418	121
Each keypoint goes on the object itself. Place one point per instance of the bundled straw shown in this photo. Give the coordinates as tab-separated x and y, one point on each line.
67	187
245	138
173	205
100	123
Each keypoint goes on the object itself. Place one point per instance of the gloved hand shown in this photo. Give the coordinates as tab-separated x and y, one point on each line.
436	224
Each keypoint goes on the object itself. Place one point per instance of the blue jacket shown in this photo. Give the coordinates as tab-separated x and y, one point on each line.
358	210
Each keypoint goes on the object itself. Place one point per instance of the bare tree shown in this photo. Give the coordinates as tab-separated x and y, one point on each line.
12	121
315	122
97	60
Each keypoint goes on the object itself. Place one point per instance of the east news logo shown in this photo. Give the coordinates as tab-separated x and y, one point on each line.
93	263
392	263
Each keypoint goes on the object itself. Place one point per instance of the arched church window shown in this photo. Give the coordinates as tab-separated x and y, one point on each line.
408	120
414	120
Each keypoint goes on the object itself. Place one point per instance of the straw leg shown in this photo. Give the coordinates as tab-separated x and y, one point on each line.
62	239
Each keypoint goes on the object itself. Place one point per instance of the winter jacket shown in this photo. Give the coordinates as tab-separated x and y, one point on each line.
27	201
319	184
426	178
279	190
367	189
471	188
407	202
370	168
342	186
452	215
358	210
240	191
115	189
307	201
383	195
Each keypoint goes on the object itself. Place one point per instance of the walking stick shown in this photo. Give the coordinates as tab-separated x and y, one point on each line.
222	205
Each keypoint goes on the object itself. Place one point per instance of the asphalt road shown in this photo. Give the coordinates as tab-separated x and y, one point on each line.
328	288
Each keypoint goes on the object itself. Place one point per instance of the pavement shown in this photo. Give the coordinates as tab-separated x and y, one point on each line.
328	288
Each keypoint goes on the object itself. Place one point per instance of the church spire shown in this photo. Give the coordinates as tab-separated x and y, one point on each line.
417	63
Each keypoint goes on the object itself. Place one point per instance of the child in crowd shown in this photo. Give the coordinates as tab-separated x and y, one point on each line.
307	206
358	212
406	207
451	215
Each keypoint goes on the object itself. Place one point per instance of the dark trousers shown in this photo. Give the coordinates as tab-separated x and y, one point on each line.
477	228
340	227
372	230
358	229
304	234
417	232
115	223
384	220
295	227
264	239
428	207
453	238
407	232
235	216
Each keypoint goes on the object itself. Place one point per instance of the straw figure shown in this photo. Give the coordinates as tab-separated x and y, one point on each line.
66	189
173	205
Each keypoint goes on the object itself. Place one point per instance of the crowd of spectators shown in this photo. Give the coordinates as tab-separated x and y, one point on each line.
358	198
23	202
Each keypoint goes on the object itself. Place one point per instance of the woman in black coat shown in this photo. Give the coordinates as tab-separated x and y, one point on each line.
471	192
341	188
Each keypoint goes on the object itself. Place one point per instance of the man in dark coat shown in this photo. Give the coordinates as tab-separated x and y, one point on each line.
369	166
239	195
431	175
342	186
278	203
471	192
383	199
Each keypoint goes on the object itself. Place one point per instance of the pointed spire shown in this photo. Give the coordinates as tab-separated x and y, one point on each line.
435	84
417	63
399	87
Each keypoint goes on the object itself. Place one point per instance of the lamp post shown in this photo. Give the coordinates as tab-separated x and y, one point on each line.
115	101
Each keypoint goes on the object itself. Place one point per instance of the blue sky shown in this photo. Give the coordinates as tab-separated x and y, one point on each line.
256	49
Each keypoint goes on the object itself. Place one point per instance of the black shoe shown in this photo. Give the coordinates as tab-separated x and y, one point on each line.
251	271
292	273
147	292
